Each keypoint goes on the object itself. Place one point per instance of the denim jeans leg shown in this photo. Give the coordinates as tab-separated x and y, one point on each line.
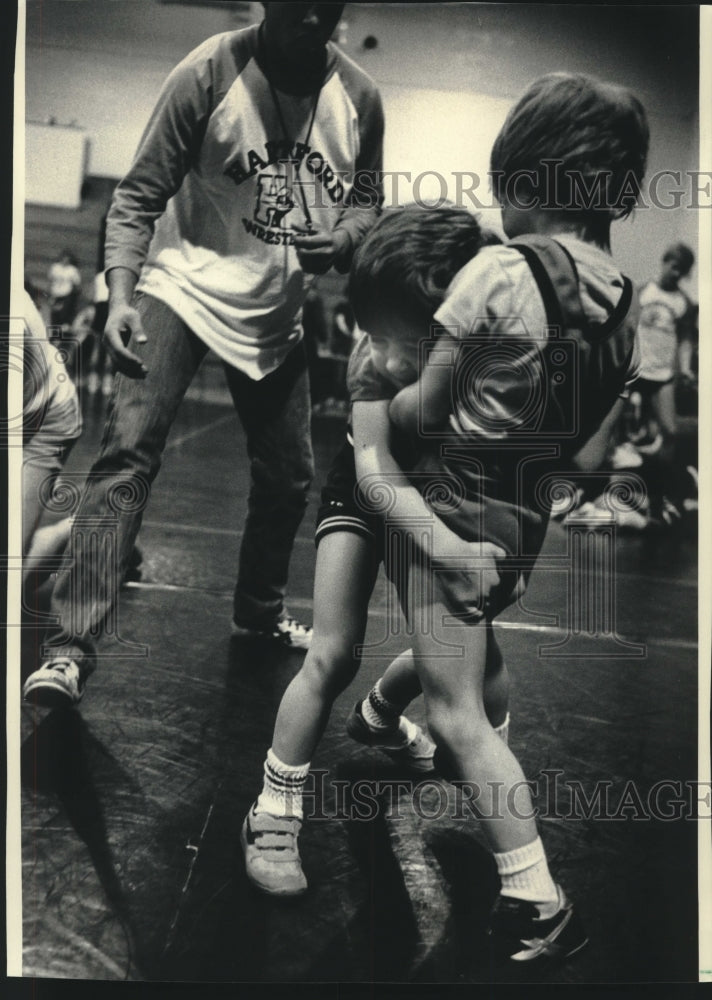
117	488
276	415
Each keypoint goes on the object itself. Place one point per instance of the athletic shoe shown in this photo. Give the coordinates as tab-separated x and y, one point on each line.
630	518
590	513
517	933
626	456
272	860
286	630
59	683
407	744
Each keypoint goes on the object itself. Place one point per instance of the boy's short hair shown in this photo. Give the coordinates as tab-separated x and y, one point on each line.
583	142
409	258
682	253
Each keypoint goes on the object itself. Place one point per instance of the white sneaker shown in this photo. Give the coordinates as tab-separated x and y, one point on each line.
626	456
59	683
590	513
407	744
287	630
272	861
631	519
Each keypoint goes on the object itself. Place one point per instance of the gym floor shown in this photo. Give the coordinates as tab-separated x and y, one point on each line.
132	804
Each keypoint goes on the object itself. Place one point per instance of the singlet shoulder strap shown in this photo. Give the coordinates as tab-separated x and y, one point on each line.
599	331
554	271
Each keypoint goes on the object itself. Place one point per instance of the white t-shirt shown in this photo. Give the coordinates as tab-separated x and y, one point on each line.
659	330
496	298
45	379
225	188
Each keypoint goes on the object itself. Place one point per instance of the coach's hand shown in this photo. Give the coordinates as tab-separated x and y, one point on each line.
318	251
122	323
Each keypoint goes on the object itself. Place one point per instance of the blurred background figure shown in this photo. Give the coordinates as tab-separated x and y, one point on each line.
315	342
64	289
667	334
650	439
329	329
51	425
99	367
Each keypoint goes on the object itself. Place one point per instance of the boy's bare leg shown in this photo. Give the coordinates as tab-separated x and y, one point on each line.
453	685
48	541
400	683
663	407
344	578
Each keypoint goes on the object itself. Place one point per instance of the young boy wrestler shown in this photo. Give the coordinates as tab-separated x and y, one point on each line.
421	250
491	362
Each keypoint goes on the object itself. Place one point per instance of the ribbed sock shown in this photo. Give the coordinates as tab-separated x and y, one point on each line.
283	787
525	875
503	730
378	712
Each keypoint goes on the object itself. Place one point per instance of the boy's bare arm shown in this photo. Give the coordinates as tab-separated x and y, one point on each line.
376	466
427	403
684	358
590	457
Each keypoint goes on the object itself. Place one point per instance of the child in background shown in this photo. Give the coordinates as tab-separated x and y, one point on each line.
100	368
65	285
51	425
666	335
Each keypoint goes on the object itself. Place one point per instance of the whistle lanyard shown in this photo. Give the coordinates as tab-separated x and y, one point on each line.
287	137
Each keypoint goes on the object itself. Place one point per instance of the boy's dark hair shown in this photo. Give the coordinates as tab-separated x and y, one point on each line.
583	142
409	258
681	252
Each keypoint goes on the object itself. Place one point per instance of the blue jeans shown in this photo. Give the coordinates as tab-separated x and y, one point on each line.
276	415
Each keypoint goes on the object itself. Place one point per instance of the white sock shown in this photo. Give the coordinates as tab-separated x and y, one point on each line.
503	730
378	712
283	787
525	875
